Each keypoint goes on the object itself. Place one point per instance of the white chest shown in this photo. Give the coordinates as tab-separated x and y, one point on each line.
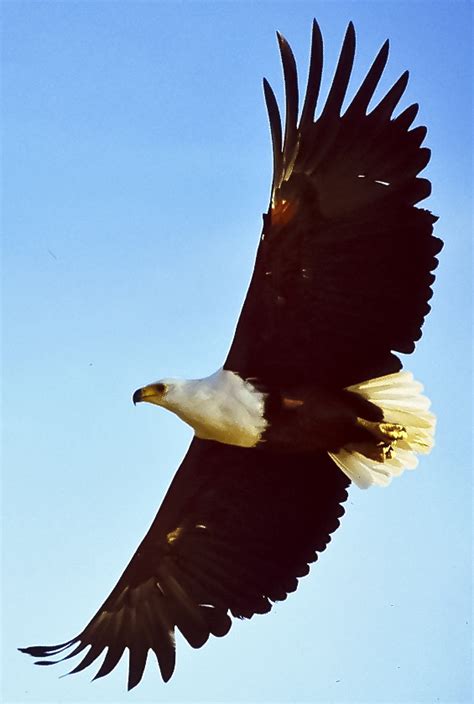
221	407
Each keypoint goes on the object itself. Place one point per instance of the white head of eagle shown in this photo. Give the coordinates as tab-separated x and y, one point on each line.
222	407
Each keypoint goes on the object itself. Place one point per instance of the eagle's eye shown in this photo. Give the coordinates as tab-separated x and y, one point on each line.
161	388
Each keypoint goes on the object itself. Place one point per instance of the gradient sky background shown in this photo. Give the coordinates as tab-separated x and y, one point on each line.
137	165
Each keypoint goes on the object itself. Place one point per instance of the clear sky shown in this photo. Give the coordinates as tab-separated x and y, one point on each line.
137	164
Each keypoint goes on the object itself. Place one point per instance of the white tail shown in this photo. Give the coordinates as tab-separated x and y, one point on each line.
400	398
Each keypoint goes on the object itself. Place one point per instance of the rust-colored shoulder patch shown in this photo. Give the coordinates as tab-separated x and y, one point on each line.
292	403
283	211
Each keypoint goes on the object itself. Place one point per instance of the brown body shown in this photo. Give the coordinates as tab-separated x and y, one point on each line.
316	418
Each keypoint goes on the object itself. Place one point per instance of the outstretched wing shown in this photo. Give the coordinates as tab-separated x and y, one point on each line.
343	270
236	530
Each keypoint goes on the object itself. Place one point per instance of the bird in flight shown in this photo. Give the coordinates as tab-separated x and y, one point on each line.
311	396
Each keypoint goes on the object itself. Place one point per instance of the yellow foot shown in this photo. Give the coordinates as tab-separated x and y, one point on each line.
379	452
386	433
393	431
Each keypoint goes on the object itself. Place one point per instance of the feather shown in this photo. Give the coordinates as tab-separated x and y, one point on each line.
275	129
314	80
291	111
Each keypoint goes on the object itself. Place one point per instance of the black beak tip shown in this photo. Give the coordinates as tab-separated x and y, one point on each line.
137	397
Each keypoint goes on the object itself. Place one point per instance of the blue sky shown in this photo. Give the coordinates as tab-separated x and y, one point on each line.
137	164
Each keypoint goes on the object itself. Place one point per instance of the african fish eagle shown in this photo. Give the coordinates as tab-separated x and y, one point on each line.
310	397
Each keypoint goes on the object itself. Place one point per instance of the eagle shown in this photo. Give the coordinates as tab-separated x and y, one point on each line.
312	395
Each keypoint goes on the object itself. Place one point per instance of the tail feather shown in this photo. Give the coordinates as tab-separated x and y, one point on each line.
400	398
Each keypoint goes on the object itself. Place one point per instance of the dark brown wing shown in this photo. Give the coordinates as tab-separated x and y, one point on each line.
236	530
343	270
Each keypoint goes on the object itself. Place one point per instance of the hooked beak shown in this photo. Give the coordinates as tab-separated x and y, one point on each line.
137	397
152	393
